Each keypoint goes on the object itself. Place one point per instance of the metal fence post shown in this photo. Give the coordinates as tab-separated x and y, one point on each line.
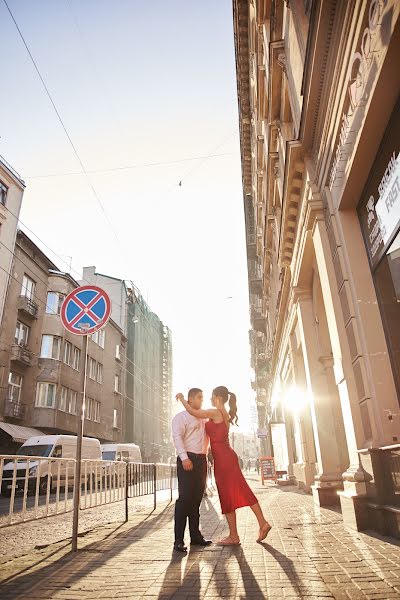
126	492
155	484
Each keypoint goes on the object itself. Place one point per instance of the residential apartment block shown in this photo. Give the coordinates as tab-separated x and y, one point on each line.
42	365
148	372
11	193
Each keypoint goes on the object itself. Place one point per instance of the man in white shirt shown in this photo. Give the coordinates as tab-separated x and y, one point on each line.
191	443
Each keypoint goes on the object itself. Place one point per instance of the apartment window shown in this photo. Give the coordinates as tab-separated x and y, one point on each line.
28	287
99	373
115	419
3	193
89	409
54	303
73	397
46	395
14	387
96	411
102	337
92	368
68	353
51	345
117	384
63	399
76	358
98	337
118	352
21	333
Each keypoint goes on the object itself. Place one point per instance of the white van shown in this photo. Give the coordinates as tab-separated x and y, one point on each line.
52	446
125	452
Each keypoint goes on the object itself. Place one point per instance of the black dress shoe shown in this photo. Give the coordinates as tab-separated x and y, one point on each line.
201	542
180	547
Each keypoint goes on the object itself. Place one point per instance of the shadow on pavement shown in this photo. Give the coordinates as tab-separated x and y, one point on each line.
212	562
286	565
71	567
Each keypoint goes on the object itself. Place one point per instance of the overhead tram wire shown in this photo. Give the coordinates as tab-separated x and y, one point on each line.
61	122
129	167
84	170
190	171
82	279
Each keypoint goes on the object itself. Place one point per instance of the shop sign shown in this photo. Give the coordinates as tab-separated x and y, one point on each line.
380	215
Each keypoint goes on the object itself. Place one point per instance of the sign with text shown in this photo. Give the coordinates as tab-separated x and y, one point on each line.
379	209
268	471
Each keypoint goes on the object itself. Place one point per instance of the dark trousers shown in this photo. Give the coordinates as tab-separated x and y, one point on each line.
191	486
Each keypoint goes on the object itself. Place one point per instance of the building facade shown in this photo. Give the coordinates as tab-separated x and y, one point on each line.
318	90
11	193
42	365
148	371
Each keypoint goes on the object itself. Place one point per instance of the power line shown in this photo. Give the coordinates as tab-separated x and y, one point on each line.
46	284
44	303
61	120
80	277
153	415
205	158
128	167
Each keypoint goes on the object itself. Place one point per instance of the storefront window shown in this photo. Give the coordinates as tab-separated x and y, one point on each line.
387	281
379	214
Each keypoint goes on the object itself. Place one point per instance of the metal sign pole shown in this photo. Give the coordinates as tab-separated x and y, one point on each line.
84	311
78	464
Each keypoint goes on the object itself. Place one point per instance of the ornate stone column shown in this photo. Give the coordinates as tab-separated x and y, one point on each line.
329	477
355	477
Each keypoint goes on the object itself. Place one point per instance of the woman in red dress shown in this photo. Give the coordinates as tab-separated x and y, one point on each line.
234	491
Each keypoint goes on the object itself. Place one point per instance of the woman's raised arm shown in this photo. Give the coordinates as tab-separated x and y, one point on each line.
209	413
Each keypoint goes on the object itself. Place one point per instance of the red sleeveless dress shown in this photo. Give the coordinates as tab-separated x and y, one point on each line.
234	491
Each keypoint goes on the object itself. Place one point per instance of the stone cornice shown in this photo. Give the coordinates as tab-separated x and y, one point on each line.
293	184
298	294
242	54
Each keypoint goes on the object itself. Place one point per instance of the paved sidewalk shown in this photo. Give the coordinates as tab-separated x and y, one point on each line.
22	538
309	554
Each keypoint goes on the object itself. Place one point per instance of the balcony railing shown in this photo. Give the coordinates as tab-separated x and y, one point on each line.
13	409
28	306
21	354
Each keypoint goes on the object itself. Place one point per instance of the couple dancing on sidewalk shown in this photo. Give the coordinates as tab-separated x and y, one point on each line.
192	431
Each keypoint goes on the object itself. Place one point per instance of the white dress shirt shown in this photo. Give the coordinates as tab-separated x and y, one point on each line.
189	434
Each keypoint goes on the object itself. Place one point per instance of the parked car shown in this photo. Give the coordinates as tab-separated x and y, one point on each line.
51	446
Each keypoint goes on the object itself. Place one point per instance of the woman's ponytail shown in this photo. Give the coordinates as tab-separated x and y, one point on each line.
222	392
233	418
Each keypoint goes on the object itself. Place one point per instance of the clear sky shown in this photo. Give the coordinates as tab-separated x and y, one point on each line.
137	83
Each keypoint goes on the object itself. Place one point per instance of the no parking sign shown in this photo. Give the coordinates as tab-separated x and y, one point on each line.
85	310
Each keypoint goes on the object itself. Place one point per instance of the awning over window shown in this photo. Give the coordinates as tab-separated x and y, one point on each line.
19	433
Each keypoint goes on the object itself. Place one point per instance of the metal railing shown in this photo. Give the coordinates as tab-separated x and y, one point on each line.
37	487
12	408
34	477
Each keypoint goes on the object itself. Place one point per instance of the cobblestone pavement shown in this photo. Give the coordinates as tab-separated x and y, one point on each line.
309	554
17	540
